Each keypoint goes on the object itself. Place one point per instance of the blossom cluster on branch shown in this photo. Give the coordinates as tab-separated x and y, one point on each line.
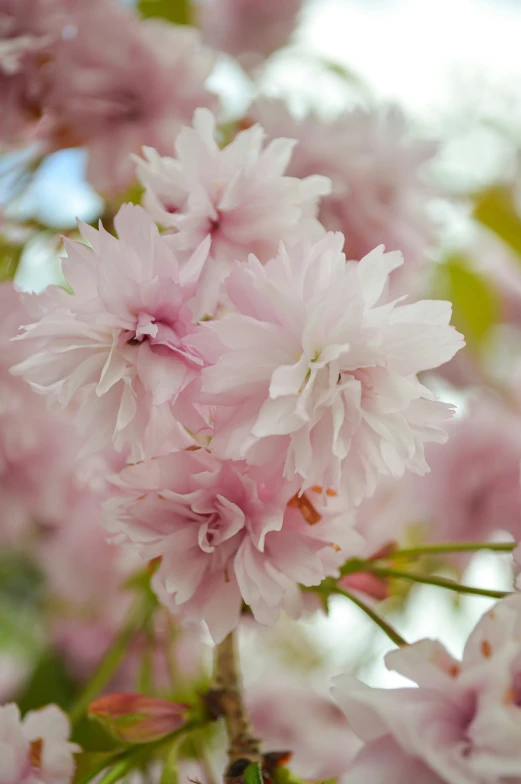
300	374
226	414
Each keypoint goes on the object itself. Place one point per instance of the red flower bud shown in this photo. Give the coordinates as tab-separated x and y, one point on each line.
135	718
365	582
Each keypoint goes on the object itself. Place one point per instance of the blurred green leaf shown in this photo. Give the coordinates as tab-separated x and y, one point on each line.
346	74
92	736
88	763
253	774
10	256
133	194
177	11
20	578
495	209
475	302
50	683
19	630
283	775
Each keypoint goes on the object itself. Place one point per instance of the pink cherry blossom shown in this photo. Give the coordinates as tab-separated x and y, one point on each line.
23	37
289	714
463	722
37	447
389	517
35	750
239	195
379	192
114	350
247	29
313	374
30	32
224	536
118	82
95	74
474	489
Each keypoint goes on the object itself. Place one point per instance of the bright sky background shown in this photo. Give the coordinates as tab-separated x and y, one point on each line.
413	50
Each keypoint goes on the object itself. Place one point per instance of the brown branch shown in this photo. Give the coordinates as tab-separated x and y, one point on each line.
227	700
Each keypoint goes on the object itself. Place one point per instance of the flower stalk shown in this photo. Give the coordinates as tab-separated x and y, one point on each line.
441	582
110	663
227	701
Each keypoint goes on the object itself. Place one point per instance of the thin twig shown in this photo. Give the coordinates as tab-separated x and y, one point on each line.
441	582
384	626
109	664
454	547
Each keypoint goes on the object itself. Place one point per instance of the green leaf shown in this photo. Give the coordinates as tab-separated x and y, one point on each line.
10	256
177	11
50	682
495	209
475	301
92	736
253	774
283	775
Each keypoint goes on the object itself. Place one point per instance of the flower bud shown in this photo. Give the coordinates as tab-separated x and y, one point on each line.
135	718
369	584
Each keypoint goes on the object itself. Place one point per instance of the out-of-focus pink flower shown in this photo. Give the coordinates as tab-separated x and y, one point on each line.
224	536
135	718
499	264
379	192
312	374
95	74
35	750
473	488
386	520
290	715
23	38
463	722
118	83
238	195
114	351
37	447
247	29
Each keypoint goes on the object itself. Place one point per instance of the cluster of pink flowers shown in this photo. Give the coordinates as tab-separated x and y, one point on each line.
223	414
94	74
250	370
461	724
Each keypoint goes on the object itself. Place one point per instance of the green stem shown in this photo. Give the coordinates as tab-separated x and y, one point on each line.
109	664
441	582
450	547
384	626
123	761
117	772
170	774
